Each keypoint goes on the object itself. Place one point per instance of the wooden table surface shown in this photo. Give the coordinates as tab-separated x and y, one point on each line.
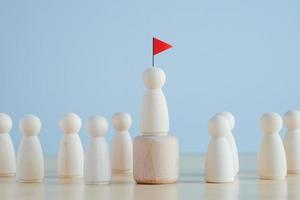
190	186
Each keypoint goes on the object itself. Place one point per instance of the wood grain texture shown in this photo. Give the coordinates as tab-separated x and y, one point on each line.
155	159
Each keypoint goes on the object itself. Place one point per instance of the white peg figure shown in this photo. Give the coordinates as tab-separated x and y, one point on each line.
229	116
271	159
219	166
30	161
292	141
7	152
155	153
70	154
154	111
122	144
97	168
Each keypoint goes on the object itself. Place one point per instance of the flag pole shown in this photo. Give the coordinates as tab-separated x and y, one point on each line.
152	52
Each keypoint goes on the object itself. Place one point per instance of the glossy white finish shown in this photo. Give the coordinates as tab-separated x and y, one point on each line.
271	158
219	166
30	161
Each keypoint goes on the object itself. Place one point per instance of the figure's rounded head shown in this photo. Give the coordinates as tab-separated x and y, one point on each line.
97	126
5	123
292	120
271	122
218	126
70	123
30	125
121	121
229	116
154	78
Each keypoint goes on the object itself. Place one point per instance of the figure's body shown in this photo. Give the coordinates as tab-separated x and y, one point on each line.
219	166
122	144
97	168
271	159
70	153
229	116
7	152
292	141
30	163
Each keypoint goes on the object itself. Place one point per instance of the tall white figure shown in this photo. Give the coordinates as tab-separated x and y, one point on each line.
219	160
70	153
155	153
122	144
292	141
271	159
229	116
7	152
97	169
30	161
154	111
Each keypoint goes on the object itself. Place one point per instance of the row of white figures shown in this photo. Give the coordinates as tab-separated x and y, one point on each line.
97	163
95	166
274	160
153	157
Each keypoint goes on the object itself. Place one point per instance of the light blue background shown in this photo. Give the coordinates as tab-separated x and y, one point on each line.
88	57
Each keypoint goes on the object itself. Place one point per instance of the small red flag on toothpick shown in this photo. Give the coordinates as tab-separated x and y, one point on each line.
158	46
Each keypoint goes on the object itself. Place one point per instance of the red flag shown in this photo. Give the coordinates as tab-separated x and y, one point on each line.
159	46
